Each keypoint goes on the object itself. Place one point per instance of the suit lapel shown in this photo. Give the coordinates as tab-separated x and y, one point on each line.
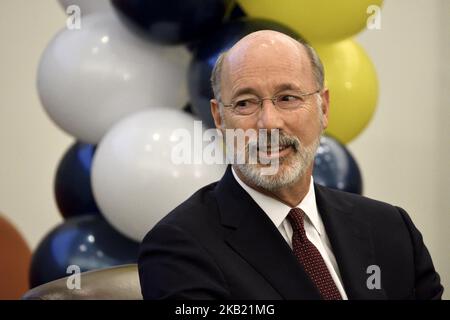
351	243
256	239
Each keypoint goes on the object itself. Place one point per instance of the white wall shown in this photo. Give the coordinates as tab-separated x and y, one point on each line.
404	153
30	144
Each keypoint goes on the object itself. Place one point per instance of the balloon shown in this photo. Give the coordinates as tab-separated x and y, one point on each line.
172	21
90	78
316	20
335	167
72	187
15	257
87	242
208	51
88	6
135	179
353	84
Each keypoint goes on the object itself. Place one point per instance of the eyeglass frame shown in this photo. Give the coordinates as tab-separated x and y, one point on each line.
273	99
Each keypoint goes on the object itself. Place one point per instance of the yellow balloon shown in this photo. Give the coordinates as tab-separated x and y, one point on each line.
352	81
318	20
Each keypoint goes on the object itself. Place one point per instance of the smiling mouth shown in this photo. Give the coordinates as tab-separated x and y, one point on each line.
277	153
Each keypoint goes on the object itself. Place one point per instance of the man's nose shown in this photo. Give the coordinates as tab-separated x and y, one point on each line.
269	116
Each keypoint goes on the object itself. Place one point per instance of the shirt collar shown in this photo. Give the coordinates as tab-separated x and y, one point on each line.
277	211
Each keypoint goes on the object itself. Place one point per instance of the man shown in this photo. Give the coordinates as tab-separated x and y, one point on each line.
280	236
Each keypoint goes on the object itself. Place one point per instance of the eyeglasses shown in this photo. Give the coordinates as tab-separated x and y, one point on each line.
282	101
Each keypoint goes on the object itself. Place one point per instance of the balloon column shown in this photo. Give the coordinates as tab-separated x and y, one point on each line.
127	57
118	86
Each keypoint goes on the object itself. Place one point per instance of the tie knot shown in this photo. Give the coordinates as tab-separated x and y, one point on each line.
296	216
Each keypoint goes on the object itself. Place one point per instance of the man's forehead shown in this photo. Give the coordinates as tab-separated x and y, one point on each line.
265	38
263	45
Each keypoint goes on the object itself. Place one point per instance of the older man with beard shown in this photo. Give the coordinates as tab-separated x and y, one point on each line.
254	235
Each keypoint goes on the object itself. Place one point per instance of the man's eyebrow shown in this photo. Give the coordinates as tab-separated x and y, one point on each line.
245	90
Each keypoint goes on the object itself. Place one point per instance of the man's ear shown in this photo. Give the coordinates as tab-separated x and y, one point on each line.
325	107
215	111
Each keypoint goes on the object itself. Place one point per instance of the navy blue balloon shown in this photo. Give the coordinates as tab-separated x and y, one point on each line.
206	54
72	185
86	241
335	167
172	21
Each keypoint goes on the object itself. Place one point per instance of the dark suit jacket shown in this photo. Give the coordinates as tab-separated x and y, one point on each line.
219	244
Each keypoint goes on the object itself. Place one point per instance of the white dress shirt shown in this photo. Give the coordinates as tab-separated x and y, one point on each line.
277	211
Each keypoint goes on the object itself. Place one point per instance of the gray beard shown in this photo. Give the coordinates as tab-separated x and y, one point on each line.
291	168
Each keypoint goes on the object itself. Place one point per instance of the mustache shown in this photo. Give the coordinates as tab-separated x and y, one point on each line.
264	142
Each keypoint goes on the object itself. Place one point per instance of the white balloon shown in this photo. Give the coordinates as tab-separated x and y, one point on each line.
88	6
134	179
90	78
